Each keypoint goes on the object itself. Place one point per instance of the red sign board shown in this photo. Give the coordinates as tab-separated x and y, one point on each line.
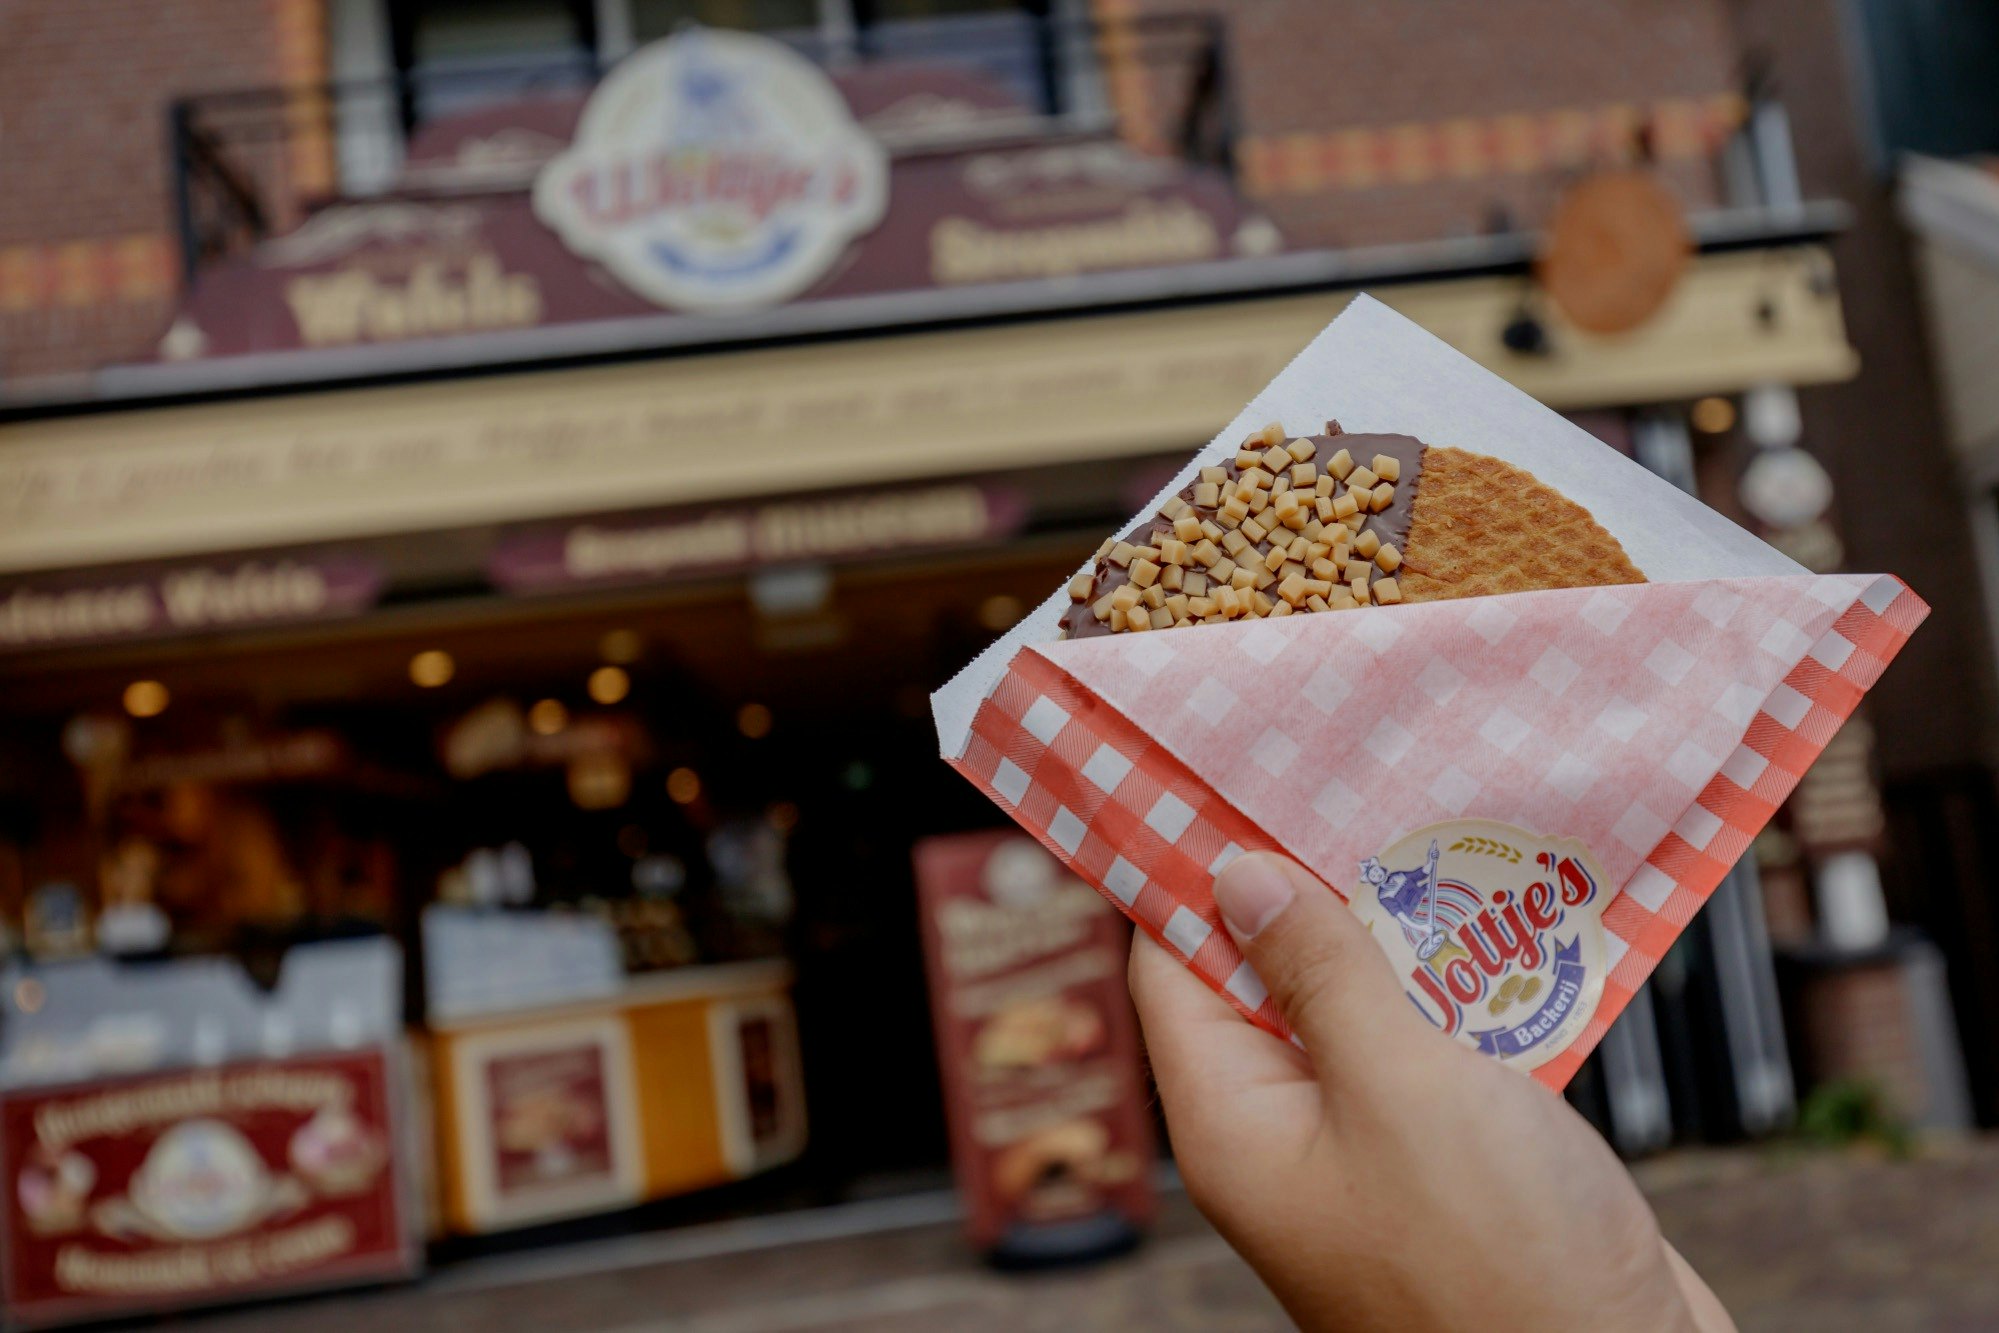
462	253
195	1186
1035	1038
707	540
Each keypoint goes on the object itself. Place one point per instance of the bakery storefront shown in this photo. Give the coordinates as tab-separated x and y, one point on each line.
508	604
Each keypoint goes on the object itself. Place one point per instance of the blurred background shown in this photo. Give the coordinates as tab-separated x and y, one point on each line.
487	487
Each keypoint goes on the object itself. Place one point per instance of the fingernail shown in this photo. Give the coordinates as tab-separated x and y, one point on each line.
1251	891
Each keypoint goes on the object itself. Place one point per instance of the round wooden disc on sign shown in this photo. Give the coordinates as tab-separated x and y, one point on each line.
1615	249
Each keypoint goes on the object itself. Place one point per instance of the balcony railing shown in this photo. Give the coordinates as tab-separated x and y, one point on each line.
253	164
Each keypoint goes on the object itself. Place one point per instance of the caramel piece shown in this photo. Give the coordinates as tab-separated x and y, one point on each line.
1124	598
1081	586
1388	467
1317	603
1206	554
1102	608
1260	605
1222	570
1173	552
1228	602
1340	464
1177	604
1253	530
1360	479
1323	507
1280	609
1276	458
1138	617
1161	618
1258	500
1207	495
1272	434
1302	449
1235	544
1324	485
1187	528
1218	475
1211	530
1122	554
1297	548
1342	599
1173	578
1387	592
1388	558
1242	578
1304	474
1174	507
1144	573
1346	506
1200	606
1325	569
1263	578
1275	559
1367	544
1245	459
1384	496
1233	513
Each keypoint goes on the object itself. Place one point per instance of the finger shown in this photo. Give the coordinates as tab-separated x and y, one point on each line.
1219	1078
1330	980
1196	1042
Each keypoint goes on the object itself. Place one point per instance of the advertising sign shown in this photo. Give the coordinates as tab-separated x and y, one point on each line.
709	540
60	611
715	171
190	1187
1049	1135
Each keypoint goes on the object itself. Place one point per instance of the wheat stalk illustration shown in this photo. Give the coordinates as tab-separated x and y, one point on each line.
1478	846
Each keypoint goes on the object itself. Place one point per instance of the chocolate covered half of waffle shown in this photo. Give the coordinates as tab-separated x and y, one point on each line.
1336	522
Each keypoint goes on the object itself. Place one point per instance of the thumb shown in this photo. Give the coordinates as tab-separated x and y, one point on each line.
1330	980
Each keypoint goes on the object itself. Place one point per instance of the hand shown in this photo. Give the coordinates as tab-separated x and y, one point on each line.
1393	1180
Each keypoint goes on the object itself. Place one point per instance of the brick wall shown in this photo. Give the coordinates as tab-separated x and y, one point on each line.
1368	121
87	249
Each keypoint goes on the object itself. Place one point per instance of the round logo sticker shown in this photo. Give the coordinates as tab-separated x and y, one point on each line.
715	171
1496	932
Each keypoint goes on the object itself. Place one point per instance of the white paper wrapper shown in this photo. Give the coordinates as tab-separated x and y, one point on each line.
1592	759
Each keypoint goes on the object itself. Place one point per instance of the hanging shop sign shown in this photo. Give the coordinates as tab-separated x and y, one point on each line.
185	1188
60	611
1050	1139
703	541
715	171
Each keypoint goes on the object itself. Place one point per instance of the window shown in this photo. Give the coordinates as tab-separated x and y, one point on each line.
653	19
459	54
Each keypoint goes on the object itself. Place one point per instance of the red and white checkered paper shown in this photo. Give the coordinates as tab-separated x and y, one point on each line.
1661	724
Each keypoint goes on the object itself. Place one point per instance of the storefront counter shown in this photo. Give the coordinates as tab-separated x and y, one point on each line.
678	1081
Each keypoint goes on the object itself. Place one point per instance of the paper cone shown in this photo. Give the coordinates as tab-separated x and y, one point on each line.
1592	760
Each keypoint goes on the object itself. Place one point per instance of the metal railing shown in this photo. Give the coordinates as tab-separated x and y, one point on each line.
252	164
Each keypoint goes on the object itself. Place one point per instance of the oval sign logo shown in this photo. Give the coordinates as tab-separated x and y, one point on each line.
1496	932
715	171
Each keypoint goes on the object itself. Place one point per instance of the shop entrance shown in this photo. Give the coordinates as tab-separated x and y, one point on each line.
722	774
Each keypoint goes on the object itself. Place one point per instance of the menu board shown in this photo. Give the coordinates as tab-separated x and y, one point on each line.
200	1185
1050	1138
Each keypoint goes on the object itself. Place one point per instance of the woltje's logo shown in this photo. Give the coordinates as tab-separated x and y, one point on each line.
715	171
1496	932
